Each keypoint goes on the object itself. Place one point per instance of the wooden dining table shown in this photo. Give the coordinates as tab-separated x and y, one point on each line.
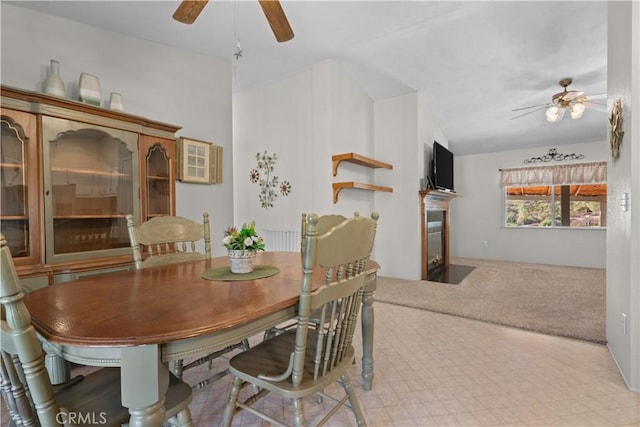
140	320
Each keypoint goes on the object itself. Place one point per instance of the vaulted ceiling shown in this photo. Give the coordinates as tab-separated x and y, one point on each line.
473	62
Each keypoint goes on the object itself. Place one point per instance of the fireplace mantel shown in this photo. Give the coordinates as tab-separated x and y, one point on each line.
437	195
435	201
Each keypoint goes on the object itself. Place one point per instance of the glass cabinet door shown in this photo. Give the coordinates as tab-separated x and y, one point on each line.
89	188
157	177
19	207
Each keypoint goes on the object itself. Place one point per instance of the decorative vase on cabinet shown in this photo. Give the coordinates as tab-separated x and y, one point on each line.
54	85
89	89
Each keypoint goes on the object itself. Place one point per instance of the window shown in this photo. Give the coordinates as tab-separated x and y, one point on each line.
199	162
556	196
572	206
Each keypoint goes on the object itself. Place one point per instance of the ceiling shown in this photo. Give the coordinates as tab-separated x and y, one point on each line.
473	62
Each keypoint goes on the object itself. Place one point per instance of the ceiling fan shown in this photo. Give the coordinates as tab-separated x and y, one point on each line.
188	11
574	101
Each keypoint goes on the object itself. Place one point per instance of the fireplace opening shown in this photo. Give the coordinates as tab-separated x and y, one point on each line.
435	241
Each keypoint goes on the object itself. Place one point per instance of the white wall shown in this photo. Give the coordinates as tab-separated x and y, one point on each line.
396	141
623	237
342	114
276	118
428	131
154	80
305	120
404	133
477	215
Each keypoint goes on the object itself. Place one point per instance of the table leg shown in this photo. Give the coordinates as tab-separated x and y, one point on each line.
145	380
368	321
59	369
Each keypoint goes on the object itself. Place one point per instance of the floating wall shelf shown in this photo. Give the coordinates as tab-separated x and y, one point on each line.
358	160
337	186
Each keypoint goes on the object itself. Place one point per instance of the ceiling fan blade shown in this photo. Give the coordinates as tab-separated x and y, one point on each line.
596	107
532	106
540	107
572	94
598	96
277	20
189	10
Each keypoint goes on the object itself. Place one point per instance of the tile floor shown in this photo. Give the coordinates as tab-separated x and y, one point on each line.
434	369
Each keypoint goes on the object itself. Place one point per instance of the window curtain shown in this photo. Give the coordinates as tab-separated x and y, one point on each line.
577	173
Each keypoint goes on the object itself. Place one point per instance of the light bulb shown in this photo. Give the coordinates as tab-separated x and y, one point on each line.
576	110
553	114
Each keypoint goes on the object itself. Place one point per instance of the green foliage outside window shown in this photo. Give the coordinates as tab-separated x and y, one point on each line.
536	211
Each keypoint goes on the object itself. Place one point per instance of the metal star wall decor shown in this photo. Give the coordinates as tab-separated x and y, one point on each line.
238	52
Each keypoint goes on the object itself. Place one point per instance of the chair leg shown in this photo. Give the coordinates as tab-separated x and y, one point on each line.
230	408
353	400
178	368
298	413
182	419
215	377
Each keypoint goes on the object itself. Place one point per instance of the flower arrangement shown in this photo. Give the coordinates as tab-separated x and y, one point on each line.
245	239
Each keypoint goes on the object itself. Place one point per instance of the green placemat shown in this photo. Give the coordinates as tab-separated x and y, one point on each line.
225	274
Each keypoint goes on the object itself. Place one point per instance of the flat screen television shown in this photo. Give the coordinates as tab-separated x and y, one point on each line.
442	171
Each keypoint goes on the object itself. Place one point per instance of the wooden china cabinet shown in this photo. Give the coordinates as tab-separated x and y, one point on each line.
157	176
69	173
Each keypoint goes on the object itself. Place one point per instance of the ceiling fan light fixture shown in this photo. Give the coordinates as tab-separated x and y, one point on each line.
576	110
553	114
575	101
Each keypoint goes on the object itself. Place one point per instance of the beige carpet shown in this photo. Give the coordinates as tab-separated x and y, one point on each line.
565	301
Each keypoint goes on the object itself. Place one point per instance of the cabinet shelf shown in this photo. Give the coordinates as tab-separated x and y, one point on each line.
10	165
358	160
91	172
338	186
13	217
88	216
158	178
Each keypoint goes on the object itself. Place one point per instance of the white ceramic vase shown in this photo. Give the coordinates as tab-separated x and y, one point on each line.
115	101
89	89
242	261
54	85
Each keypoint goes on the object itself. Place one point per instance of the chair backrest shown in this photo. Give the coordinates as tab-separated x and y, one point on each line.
341	254
168	239
18	338
325	223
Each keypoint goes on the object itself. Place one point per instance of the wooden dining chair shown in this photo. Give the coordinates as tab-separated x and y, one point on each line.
167	240
325	223
27	390
303	361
